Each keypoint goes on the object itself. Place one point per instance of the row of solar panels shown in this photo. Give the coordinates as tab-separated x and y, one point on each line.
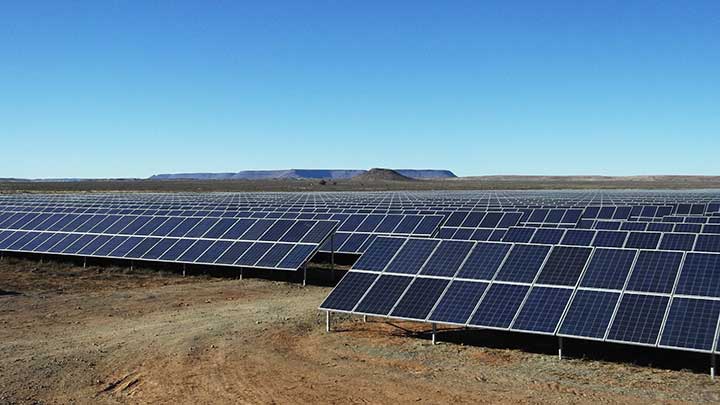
264	255
645	297
531	215
280	230
704	227
419	225
708	242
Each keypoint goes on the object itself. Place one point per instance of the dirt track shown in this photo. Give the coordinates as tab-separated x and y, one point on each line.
106	335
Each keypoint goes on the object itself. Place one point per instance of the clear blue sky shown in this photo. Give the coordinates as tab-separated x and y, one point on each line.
132	88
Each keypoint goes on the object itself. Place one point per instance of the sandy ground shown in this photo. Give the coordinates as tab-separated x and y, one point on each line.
108	335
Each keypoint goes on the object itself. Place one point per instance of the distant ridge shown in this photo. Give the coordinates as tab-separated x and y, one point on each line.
381	175
328	174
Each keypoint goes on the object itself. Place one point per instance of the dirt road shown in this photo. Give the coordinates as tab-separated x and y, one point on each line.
106	335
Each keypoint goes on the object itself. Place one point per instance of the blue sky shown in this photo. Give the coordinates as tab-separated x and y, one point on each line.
133	88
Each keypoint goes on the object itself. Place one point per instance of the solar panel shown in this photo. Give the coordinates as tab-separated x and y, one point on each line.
677	241
523	263
578	237
655	271
608	268
542	310
499	305
700	275
643	240
610	239
458	302
589	314
638	319
379	254
484	260
447	258
691	324
564	266
420	298
412	256
383	295
348	291
707	243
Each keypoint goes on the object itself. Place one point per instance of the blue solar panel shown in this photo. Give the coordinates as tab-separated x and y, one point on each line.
383	295
707	243
655	271
353	243
542	310
519	235
700	275
523	263
458	302
412	256
274	255
420	298
589	314
638	318
379	254
691	324
497	309
610	239
484	260
549	236
677	241
348	292
194	251
297	257
608	268
447	258
253	254
564	265
233	253
578	237
643	240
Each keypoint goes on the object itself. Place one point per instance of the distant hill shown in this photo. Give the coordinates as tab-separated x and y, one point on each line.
381	175
328	174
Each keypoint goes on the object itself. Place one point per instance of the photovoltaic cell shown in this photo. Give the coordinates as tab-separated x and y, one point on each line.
643	240
677	241
589	314
348	292
379	254
691	324
412	256
420	298
655	271
523	263
700	275
564	265
542	310
499	305
459	300
608	268
447	258
383	295
638	319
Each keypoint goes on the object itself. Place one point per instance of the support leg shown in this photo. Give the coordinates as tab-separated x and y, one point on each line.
84	262
304	274
712	366
183	270
365	318
434	331
241	273
327	321
560	347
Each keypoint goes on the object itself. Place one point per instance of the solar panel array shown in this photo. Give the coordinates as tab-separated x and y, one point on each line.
635	296
279	244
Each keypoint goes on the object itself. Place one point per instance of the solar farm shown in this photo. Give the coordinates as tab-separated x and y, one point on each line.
635	269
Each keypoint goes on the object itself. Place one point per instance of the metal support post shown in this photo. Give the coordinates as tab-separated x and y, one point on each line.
712	366
304	274
365	318
327	321
183	270
560	347
434	331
